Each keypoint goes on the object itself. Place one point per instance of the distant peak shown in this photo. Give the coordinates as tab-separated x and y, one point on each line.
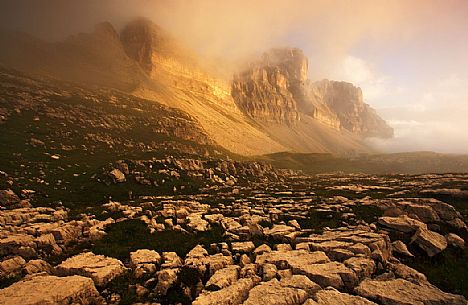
105	29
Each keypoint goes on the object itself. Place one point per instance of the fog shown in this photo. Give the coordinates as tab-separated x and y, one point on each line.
409	57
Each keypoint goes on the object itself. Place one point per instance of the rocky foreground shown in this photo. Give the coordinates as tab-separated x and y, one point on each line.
297	240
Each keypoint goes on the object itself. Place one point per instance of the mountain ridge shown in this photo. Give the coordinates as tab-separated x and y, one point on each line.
144	60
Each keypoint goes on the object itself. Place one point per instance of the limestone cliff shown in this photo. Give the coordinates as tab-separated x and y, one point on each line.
266	90
266	108
275	89
345	101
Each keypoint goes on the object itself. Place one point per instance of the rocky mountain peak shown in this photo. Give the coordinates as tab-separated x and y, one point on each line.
148	44
276	89
346	102
291	61
137	41
106	29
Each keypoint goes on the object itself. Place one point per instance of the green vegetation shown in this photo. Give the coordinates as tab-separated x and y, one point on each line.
404	163
131	235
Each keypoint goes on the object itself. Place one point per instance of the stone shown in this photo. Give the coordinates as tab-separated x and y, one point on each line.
401	223
38	266
117	175
291	259
431	242
171	260
269	272
262	249
144	262
301	282
223	278
331	296
455	241
144	256
280	232
333	274
362	266
11	266
293	223
407	273
197	223
13	243
51	290
399	247
8	198
99	268
273	292
243	247
217	261
403	292
166	278
234	294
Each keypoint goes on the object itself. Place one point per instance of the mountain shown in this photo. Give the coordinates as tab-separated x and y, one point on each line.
267	107
276	89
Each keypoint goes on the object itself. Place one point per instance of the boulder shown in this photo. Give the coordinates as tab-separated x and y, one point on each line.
301	282
403	292
51	290
272	292
99	268
431	242
333	274
37	266
117	175
166	278
399	247
144	262
281	232
407	273
223	278
401	223
262	249
197	223
455	241
171	260
331	296
234	294
243	247
11	267
362	266
291	259
144	256
269	272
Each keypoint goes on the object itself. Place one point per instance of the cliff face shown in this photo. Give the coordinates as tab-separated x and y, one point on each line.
270	106
266	90
180	79
275	89
345	102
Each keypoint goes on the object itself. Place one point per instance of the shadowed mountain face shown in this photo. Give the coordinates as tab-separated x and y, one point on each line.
269	107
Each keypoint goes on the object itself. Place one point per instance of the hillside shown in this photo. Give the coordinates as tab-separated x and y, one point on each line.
147	62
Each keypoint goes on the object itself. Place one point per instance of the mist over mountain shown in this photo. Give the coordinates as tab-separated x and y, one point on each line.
268	106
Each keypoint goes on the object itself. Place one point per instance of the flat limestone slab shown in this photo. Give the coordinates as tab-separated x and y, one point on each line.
100	268
48	290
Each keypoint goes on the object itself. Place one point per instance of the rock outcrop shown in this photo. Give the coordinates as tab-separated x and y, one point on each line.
341	104
265	91
99	268
275	89
51	290
402	292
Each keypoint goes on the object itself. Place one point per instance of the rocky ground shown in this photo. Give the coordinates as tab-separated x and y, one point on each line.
106	198
282	238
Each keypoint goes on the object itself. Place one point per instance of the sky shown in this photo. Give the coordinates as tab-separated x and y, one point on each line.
410	57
